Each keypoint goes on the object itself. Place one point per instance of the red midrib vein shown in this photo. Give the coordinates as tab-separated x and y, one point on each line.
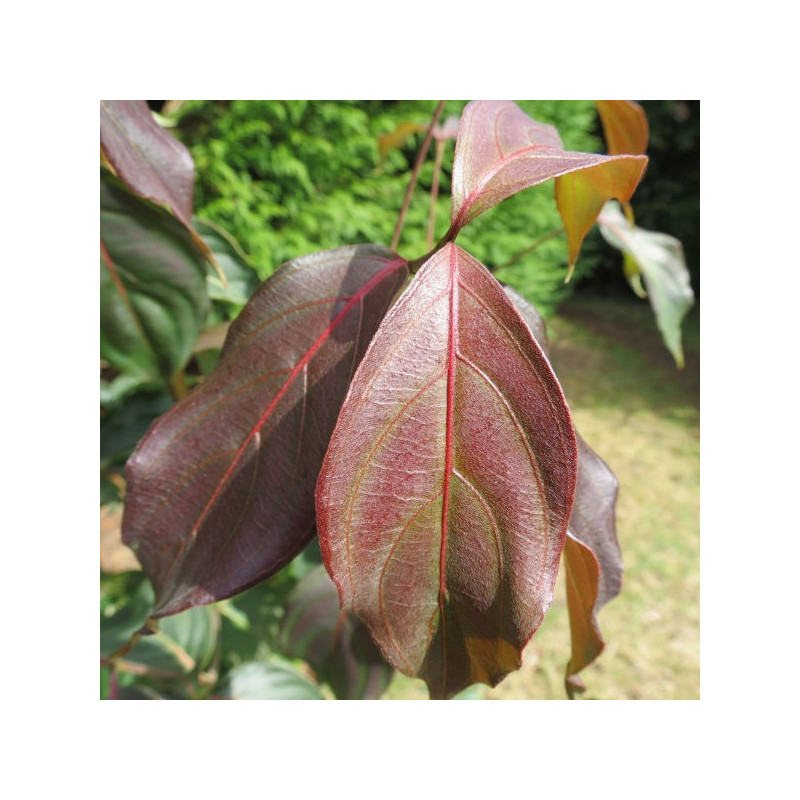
309	354
452	349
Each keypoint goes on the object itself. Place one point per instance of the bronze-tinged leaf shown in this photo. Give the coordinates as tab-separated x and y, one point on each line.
396	139
443	500
500	151
593	560
583	576
624	125
147	159
335	643
221	490
580	196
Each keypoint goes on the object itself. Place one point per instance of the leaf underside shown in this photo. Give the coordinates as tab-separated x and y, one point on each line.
221	490
443	500
662	263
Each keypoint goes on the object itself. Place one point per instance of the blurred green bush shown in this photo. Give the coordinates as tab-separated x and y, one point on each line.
290	177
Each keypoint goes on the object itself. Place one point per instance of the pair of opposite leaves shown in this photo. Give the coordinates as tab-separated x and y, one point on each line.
448	482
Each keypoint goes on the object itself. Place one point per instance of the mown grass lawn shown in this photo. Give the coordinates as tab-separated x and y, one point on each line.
642	416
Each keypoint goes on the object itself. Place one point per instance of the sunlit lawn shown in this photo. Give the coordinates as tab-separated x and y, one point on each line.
643	417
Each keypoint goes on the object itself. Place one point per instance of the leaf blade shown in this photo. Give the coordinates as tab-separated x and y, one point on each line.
625	126
229	472
152	285
153	164
663	266
409	510
501	151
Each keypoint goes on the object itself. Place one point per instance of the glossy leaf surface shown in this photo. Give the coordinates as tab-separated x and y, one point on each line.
152	285
443	500
221	490
500	151
148	160
334	642
624	125
663	266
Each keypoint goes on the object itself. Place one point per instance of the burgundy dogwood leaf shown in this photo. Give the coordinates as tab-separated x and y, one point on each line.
221	490
443	500
150	162
147	159
500	151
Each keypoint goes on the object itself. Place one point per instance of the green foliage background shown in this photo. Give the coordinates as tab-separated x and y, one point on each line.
290	177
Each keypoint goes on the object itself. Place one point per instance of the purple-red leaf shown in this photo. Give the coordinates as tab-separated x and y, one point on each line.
500	151
146	158
444	496
593	519
335	643
221	490
150	162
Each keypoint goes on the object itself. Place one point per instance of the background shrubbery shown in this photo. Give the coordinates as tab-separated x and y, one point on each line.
287	178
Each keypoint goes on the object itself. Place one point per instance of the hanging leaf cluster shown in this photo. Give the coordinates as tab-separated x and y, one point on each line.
415	426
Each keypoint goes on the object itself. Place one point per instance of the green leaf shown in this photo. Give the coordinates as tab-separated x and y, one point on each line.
183	642
268	681
152	285
241	277
663	266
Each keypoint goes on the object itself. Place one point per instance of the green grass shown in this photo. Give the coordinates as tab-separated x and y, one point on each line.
642	416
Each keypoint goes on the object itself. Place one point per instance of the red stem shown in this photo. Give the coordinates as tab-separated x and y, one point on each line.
415	175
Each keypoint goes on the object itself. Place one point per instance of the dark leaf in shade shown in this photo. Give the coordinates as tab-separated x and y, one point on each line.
592	557
221	490
444	496
152	285
334	642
